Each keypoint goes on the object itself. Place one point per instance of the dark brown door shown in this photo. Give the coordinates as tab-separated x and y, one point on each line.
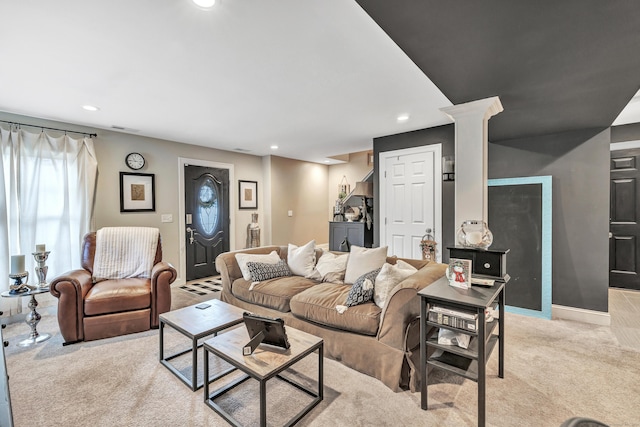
207	218
624	236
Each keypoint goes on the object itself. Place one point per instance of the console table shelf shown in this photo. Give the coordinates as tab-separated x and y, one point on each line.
471	362
471	352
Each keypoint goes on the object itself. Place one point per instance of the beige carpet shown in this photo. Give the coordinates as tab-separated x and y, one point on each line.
554	370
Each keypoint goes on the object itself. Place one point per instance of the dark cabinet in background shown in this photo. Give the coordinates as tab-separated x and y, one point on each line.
356	233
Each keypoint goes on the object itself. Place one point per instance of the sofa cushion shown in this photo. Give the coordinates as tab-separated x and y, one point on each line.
318	304
116	295
273	293
363	260
302	259
390	275
243	259
331	268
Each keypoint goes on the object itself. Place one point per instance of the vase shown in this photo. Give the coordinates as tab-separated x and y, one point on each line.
253	232
474	234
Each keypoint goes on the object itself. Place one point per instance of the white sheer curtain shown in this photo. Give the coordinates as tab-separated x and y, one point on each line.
47	187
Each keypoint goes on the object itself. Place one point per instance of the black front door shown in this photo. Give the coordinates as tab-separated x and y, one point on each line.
624	236
207	218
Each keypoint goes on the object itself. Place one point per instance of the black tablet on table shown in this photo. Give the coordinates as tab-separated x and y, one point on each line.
265	330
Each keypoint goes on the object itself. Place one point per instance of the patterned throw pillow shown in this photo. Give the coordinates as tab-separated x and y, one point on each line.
362	290
243	259
261	271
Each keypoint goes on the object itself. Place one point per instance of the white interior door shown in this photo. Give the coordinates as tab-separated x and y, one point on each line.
410	199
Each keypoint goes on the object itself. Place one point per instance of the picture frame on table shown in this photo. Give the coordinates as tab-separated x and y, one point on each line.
248	194
137	192
459	273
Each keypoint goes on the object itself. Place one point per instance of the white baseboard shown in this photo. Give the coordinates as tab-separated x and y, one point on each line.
600	318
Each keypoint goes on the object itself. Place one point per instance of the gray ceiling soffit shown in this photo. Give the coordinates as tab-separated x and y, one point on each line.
556	65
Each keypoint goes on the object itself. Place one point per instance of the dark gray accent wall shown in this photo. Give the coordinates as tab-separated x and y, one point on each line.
579	164
444	135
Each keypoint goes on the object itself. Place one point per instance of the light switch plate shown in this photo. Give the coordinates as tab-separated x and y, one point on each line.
290	213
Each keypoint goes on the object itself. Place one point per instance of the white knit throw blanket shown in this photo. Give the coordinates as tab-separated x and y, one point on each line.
123	252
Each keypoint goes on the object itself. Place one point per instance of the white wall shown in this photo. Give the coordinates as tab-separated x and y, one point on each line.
299	187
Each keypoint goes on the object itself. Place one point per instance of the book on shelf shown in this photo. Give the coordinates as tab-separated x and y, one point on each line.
469	315
453	321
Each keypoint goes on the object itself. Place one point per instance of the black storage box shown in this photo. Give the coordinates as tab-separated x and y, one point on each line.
490	263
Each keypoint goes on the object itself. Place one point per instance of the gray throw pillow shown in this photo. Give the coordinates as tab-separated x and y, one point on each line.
260	271
362	289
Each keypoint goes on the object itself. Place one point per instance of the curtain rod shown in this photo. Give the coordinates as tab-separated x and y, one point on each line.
90	135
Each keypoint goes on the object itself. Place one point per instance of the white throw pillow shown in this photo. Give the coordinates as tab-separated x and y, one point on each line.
243	259
389	276
331	268
302	259
363	260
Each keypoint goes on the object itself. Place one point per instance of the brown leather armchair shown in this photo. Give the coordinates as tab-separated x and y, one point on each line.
88	311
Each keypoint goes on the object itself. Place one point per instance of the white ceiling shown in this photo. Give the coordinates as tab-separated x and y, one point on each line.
316	77
630	113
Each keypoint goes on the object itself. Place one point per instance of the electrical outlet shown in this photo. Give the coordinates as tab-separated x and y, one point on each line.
290	213
166	218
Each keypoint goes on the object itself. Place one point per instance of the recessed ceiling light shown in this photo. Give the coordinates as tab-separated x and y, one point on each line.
205	3
90	108
403	118
327	161
274	147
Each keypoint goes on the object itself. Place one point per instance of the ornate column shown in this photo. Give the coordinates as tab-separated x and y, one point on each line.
471	149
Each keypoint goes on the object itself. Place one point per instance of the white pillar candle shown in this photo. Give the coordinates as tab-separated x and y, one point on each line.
474	237
41	248
17	264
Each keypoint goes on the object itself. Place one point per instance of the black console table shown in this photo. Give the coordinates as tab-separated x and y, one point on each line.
470	362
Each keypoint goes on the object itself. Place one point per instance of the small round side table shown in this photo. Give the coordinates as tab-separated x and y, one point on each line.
32	318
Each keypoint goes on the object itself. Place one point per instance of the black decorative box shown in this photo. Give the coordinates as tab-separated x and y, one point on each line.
490	263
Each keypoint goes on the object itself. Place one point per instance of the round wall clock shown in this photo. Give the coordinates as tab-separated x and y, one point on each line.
135	161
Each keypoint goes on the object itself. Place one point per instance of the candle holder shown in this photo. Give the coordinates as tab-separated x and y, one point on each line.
41	268
18	286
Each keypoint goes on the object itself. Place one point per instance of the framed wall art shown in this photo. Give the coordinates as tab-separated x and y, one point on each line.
248	194
137	192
